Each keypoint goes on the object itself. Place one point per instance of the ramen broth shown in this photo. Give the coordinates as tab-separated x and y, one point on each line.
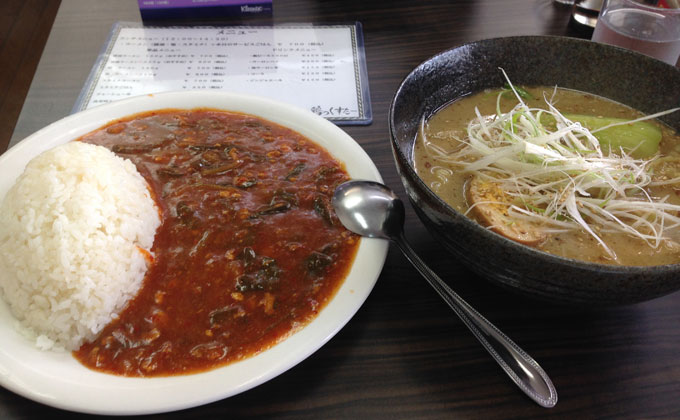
447	127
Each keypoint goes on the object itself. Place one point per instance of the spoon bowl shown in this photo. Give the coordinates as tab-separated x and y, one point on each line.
369	209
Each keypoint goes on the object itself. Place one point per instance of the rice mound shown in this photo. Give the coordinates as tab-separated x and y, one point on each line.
75	233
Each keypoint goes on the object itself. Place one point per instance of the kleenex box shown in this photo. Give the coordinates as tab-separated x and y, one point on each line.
191	9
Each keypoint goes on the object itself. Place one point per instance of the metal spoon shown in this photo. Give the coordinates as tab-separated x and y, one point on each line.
372	210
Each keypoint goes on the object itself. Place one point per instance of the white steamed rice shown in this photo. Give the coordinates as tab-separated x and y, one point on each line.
71	229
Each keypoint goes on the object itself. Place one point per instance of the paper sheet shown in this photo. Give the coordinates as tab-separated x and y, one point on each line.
319	68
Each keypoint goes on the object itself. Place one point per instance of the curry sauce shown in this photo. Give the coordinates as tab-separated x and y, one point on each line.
249	249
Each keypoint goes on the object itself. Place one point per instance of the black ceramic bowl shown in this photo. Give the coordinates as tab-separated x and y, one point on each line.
624	76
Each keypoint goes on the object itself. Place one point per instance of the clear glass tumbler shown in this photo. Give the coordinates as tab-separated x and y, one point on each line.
653	31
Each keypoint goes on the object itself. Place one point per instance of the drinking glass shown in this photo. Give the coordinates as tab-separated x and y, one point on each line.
653	31
586	12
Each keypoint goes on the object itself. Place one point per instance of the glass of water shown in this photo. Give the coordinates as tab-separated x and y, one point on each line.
654	31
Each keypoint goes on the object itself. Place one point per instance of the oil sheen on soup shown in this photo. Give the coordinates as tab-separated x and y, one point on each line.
446	130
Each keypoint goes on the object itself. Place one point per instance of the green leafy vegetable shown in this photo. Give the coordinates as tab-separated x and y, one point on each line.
640	139
521	92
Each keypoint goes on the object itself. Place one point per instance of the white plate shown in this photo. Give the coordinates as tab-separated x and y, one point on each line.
58	380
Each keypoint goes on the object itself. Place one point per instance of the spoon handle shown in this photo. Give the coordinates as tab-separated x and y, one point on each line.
521	367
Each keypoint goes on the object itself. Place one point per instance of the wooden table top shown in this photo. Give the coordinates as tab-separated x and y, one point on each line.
405	354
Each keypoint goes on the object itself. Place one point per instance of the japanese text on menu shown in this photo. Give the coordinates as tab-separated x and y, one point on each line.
311	67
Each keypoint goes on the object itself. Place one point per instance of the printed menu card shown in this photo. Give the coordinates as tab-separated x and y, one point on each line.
319	68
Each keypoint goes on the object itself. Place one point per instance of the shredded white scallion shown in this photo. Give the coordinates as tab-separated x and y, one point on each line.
561	179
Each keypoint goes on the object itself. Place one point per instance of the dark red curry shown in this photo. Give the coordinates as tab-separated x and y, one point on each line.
249	249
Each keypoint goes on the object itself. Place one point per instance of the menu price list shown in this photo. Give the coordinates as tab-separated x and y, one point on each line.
320	68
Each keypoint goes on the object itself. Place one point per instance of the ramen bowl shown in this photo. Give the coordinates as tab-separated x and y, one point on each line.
620	75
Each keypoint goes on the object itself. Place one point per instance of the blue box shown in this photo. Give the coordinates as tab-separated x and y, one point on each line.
201	9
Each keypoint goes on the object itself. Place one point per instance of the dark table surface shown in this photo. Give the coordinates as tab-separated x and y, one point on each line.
405	354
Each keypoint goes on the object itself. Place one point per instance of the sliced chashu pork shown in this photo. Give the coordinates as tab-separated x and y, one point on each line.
490	208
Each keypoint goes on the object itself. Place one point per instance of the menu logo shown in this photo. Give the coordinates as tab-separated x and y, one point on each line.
251	9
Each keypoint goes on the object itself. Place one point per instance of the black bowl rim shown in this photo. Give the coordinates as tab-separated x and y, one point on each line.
632	269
